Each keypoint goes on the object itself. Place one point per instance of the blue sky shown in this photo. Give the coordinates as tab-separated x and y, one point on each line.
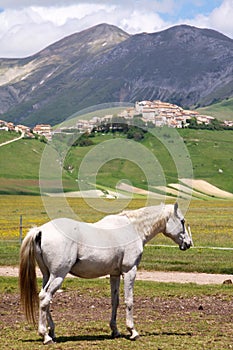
27	26
190	9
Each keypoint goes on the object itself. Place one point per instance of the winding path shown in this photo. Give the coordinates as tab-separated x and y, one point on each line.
13	140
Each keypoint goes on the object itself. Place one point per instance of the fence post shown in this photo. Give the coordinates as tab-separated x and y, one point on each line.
20	229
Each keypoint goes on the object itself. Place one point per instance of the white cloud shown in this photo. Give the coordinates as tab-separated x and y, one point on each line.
139	21
159	5
27	3
60	15
27	30
219	19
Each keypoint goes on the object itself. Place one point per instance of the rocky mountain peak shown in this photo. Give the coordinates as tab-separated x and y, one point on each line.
184	65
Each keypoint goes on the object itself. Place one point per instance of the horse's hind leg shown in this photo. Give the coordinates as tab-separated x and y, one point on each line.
45	296
44	313
49	317
115	284
129	279
51	325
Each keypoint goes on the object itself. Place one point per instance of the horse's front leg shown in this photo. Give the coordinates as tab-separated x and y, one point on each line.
129	279
115	284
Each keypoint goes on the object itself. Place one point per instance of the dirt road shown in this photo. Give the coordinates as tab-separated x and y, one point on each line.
10	141
157	276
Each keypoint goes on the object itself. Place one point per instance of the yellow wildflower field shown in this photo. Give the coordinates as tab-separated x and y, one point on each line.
211	221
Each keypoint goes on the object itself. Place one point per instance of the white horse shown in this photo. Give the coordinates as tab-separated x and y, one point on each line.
113	246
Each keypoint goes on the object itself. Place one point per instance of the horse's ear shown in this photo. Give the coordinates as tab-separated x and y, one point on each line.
175	208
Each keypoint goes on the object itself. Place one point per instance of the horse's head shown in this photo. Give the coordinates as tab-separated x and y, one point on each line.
176	230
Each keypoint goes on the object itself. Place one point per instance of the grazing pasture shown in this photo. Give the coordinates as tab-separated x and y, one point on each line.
168	316
211	223
209	151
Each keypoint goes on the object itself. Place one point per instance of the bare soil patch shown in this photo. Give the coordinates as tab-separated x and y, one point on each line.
172	319
72	307
205	187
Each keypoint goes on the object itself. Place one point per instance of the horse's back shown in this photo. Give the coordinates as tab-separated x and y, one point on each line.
112	222
111	231
109	246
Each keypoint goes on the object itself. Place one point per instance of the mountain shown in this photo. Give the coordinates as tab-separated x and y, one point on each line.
46	86
183	65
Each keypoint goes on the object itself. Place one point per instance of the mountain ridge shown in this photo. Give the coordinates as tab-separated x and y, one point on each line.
184	65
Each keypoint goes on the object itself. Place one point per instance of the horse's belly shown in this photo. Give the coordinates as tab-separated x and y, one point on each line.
93	268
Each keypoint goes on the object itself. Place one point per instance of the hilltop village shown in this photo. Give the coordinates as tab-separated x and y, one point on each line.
39	130
152	113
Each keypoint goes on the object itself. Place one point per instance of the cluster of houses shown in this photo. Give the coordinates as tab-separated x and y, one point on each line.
164	113
40	129
156	113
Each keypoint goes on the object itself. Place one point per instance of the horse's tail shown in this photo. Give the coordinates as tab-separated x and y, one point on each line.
27	275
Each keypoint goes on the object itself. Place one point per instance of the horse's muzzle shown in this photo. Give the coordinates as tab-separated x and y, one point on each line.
185	246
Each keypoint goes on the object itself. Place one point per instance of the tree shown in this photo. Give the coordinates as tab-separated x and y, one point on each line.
135	133
192	123
83	141
43	139
215	124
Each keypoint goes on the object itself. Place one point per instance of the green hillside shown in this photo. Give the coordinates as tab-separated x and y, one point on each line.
211	154
222	110
7	136
19	165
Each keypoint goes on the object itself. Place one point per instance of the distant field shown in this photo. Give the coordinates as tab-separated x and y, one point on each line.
222	110
211	223
20	164
210	152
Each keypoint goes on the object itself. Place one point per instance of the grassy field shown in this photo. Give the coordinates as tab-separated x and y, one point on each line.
222	110
167	316
7	136
211	223
20	164
209	152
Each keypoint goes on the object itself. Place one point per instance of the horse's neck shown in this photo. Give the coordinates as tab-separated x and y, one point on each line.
149	221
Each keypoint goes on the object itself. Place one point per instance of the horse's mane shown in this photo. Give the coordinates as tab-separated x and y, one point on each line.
161	209
149	219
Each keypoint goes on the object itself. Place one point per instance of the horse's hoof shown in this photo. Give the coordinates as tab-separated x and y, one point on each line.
134	338
116	335
48	340
134	335
52	335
